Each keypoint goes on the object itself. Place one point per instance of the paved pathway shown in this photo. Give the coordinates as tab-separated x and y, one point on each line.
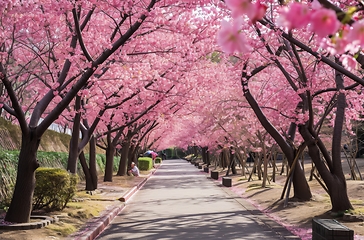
179	202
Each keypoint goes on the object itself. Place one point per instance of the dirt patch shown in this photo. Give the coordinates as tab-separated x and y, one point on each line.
295	215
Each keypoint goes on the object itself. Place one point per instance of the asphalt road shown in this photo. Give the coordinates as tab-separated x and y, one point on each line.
179	202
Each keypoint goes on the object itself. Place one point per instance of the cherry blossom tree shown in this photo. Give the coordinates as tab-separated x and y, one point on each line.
64	47
336	33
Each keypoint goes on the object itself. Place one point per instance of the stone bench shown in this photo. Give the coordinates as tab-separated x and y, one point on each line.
215	175
206	169
330	229
226	181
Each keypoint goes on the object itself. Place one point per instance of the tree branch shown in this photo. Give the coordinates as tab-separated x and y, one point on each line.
19	114
79	35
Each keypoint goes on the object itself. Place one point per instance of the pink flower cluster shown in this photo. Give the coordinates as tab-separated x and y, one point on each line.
230	37
254	11
322	21
338	38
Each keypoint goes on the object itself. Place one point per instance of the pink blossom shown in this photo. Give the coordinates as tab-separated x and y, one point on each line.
254	11
296	15
315	5
348	62
356	34
259	11
230	39
324	22
241	7
342	43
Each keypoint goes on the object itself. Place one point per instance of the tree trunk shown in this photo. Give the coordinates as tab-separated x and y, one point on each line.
21	203
232	161
331	170
204	156
73	150
338	195
335	184
88	178
135	154
90	172
241	160
109	165
195	150
93	168
130	154
123	166
301	188
265	165
224	157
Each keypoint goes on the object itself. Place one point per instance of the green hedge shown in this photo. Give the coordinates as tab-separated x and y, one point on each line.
145	163
8	166
54	188
158	160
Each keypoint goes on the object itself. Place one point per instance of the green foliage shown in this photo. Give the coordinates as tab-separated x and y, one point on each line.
54	188
174	153
52	159
180	153
190	157
8	166
145	163
101	162
214	57
169	152
158	160
13	130
59	160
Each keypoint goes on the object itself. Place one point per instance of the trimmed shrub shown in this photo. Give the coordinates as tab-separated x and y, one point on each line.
54	188
145	163
158	160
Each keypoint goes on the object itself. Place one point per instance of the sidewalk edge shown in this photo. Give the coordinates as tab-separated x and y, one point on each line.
95	226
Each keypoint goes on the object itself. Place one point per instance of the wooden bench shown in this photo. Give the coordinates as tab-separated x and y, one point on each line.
330	229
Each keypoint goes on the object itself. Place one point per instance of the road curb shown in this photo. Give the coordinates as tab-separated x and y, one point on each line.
94	227
131	192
